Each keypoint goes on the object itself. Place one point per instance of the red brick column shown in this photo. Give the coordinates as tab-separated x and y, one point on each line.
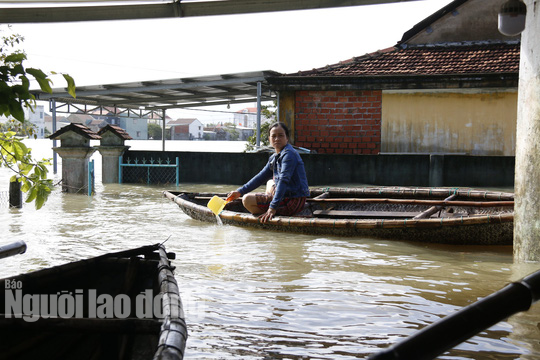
339	122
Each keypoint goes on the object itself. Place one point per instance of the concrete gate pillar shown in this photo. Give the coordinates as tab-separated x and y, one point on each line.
75	152
527	178
111	147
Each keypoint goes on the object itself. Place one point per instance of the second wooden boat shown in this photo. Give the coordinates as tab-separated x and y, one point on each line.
123	305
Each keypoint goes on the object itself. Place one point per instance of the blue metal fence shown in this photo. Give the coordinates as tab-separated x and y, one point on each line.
149	165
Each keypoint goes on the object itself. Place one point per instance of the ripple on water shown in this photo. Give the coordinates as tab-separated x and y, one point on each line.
253	294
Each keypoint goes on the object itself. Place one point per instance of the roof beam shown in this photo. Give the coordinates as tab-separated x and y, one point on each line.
173	9
115	89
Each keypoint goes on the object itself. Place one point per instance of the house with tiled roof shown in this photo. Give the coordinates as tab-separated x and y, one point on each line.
247	118
61	121
186	129
448	86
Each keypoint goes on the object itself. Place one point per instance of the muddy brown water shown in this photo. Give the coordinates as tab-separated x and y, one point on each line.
251	294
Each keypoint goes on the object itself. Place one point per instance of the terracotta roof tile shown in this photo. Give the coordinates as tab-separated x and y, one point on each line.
80	129
440	59
115	129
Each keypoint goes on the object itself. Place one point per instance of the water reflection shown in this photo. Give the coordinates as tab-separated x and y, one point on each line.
252	294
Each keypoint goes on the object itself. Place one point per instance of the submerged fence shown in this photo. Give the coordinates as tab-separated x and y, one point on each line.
152	171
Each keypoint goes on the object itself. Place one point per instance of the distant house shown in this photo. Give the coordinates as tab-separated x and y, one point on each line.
449	86
186	129
88	120
247	118
136	127
61	121
37	117
83	119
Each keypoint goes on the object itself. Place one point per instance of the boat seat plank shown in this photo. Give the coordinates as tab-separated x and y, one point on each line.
347	214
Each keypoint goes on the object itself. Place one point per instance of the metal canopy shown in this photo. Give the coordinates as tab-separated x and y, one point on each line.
159	9
147	98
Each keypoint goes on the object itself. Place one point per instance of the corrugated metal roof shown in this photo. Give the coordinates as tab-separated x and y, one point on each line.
146	97
156	9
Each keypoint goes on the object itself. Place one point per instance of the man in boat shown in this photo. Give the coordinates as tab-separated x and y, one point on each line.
287	186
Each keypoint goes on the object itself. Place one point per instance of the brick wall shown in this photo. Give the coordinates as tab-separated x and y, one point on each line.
339	122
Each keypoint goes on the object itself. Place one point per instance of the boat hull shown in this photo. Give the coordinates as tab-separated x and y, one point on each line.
91	309
482	225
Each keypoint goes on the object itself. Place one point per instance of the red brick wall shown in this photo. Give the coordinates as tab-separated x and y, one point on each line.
339	122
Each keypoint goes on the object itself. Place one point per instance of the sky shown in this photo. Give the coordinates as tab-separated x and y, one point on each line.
107	52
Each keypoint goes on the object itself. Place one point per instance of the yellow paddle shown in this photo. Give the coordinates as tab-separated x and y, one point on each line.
216	204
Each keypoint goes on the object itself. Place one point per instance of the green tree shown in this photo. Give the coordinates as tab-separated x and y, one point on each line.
154	131
267	112
231	129
14	97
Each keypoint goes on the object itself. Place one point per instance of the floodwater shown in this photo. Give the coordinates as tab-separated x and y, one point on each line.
251	294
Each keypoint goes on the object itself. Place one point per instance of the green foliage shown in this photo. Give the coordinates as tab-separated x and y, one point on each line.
231	129
14	97
268	113
31	174
154	131
24	129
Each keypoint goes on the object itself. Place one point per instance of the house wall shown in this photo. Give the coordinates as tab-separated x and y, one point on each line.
480	15
482	123
180	132
37	117
196	129
338	122
136	128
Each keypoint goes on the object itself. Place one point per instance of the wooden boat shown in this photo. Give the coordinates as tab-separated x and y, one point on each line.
65	312
439	215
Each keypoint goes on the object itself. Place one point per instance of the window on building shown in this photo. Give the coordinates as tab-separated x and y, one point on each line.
138	134
134	121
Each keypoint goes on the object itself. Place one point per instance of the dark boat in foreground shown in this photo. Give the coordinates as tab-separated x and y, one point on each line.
123	305
438	215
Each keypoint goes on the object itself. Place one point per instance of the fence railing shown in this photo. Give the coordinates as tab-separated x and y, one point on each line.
152	176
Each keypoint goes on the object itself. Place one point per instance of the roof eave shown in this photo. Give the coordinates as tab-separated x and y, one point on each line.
430	20
395	82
